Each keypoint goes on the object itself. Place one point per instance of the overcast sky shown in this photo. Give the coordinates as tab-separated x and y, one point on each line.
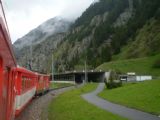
24	15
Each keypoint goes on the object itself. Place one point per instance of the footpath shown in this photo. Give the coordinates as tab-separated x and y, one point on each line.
123	111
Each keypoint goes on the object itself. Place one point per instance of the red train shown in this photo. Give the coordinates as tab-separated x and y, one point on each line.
28	84
17	85
42	84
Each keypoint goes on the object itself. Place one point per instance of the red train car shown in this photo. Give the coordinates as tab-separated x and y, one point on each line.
17	85
46	82
28	84
7	64
42	84
25	88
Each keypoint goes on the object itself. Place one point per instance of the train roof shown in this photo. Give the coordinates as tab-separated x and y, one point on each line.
4	27
24	70
43	75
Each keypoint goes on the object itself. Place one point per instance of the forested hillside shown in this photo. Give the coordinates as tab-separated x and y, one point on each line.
145	43
105	28
108	30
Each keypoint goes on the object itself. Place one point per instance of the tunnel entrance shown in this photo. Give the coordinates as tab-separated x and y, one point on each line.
79	77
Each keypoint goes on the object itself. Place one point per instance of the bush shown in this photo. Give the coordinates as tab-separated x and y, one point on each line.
112	85
113	81
156	64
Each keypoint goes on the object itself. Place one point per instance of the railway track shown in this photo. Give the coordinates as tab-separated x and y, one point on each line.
37	109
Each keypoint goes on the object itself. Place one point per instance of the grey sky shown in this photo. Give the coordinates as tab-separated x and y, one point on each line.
24	15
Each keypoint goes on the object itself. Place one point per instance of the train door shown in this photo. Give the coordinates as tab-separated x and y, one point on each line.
1	87
5	91
4	75
11	95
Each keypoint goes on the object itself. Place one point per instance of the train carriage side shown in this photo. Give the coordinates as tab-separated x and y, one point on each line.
26	88
39	85
46	82
42	84
7	64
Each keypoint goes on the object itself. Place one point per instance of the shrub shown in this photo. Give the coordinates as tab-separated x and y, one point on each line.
156	63
112	85
113	81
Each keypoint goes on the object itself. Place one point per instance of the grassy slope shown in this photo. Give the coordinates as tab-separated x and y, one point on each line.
60	85
144	96
140	65
70	106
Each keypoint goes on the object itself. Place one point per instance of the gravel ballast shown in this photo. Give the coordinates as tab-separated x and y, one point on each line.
37	109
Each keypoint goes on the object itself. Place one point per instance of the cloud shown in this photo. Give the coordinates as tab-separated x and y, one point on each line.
25	15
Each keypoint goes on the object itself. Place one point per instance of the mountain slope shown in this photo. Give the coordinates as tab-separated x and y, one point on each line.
146	42
104	29
91	32
101	34
34	50
39	34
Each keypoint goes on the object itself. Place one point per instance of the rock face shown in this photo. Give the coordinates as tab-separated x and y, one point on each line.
125	16
37	46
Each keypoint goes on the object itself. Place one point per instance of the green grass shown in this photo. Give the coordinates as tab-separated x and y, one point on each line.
60	85
140	66
71	106
144	96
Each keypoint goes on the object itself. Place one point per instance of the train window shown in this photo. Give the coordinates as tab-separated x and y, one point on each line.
27	82
1	71
0	67
31	81
41	79
23	83
0	62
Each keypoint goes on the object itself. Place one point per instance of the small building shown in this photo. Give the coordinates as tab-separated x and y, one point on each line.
143	78
132	77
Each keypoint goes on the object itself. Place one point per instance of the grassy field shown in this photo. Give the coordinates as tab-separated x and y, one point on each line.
60	85
140	66
71	106
144	96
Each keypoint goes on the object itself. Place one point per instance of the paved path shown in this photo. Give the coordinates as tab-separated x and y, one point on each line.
129	113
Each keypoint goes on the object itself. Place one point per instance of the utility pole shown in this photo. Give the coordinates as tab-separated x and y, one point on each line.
52	69
38	67
86	77
30	64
